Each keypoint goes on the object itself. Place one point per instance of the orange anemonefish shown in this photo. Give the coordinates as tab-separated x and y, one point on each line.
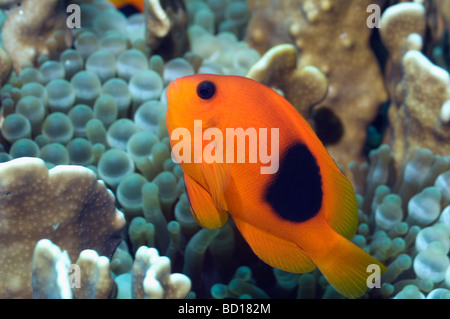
301	215
138	4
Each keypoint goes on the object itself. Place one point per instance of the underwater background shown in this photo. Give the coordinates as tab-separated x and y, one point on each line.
91	204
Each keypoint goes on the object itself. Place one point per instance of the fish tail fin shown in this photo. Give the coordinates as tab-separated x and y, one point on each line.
346	268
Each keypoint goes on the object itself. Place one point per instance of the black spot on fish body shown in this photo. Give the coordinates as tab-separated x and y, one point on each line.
295	192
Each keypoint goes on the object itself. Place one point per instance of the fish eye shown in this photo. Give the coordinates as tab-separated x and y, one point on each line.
206	90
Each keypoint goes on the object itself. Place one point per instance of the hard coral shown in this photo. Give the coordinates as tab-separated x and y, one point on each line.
149	276
397	23
65	204
425	89
29	25
49	269
54	277
152	277
302	87
335	39
95	280
419	89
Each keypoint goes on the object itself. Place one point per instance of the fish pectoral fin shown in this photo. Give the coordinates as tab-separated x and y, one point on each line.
218	178
275	251
202	206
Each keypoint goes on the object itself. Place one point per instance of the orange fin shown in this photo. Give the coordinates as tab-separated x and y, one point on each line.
345	268
217	178
275	251
203	207
342	214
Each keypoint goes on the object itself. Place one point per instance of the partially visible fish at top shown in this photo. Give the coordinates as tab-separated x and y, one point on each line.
286	195
138	4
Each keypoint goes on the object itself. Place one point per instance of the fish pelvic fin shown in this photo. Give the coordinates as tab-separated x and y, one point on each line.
346	268
203	208
218	178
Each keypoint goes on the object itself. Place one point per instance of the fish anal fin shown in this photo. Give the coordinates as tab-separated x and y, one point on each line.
275	251
203	208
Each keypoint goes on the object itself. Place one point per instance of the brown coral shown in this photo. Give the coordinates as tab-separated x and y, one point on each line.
152	277
49	270
419	89
30	23
278	69
398	22
334	38
65	204
425	89
53	277
95	277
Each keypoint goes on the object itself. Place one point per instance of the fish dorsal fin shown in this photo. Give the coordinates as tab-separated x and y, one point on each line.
203	207
342	213
218	178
